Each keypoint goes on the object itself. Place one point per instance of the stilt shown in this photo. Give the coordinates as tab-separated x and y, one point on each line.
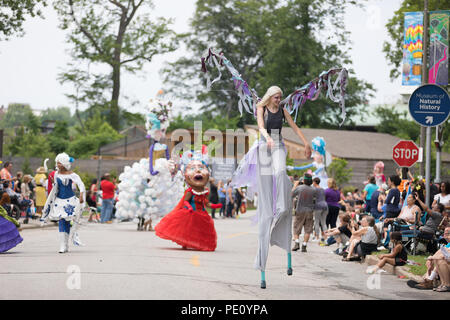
289	269
62	242
263	279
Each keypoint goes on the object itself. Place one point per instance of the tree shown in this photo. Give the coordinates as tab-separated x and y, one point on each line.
396	123
13	14
58	114
59	137
96	134
395	27
118	34
269	43
17	114
339	172
28	143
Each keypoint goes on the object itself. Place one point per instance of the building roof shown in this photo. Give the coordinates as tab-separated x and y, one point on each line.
350	144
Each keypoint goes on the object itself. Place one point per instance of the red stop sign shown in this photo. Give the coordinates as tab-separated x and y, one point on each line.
405	153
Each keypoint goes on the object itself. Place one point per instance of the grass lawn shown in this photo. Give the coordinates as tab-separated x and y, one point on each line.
417	270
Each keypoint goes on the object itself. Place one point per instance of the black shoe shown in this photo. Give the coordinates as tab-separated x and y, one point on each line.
263	284
303	248
289	271
296	247
25	221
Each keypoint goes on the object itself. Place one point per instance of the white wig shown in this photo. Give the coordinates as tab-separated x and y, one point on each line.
64	159
269	94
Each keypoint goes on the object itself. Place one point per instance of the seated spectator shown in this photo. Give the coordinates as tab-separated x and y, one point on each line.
435	216
444	195
409	212
370	238
397	257
342	234
438	265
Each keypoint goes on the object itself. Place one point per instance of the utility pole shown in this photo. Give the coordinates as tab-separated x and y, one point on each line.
424	75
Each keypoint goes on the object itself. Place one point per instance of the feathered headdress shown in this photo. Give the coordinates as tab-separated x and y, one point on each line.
191	155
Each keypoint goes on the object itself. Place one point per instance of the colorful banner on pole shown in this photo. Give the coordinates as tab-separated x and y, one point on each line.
412	49
439	51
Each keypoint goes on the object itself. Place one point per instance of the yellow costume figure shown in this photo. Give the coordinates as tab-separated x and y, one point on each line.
41	196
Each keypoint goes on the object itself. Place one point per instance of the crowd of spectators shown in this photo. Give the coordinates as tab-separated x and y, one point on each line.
387	215
24	196
233	199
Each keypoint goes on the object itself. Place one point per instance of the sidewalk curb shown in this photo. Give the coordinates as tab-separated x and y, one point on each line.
399	271
36	226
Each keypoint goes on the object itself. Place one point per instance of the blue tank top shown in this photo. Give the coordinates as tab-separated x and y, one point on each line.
64	191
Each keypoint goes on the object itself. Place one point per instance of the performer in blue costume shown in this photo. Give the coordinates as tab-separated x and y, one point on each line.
62	203
322	159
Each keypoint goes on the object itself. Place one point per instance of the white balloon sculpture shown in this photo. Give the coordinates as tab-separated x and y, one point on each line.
144	195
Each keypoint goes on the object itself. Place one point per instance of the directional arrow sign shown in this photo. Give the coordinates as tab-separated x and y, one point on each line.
429	105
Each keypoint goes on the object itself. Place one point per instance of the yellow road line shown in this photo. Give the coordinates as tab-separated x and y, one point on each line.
236	235
195	261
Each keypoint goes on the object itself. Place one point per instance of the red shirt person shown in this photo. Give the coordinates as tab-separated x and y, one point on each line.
107	198
107	188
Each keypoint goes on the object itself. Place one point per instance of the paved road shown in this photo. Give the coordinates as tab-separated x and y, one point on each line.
119	262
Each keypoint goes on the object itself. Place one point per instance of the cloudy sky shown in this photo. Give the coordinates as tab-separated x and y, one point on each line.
29	65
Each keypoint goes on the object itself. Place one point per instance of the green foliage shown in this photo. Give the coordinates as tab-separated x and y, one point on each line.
13	14
96	134
58	114
86	177
16	115
59	138
26	169
269	43
27	143
339	172
129	119
395	27
23	136
396	123
120	35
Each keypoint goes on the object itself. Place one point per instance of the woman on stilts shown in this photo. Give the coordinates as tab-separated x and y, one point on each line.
274	186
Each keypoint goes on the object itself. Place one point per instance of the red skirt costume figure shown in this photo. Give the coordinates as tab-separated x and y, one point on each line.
189	224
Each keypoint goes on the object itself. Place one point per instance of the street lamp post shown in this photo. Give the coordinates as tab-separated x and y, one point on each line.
424	74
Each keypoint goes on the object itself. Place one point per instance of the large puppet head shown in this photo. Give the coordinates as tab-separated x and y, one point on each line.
195	167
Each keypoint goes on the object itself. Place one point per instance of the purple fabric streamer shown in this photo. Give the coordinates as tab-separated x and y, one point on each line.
154	173
295	101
